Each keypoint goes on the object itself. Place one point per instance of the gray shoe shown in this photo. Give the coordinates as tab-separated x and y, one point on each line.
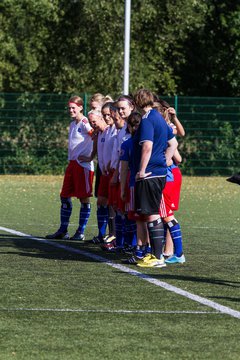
78	236
63	235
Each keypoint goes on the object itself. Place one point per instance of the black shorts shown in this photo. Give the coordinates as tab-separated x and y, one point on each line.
148	195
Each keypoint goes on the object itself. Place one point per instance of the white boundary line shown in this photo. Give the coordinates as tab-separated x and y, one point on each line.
164	285
112	311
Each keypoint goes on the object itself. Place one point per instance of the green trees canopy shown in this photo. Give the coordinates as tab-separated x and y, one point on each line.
184	47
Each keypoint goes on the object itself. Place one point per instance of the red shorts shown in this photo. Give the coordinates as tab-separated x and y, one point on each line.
103	189
177	187
165	209
112	195
77	181
120	202
171	195
124	205
129	206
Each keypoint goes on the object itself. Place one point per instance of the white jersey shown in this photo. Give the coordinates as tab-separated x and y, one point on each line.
111	133
80	142
121	136
101	141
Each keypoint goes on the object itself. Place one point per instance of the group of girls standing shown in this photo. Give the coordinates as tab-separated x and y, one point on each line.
107	134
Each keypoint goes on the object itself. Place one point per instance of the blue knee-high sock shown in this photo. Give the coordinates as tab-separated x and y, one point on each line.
85	211
130	232
102	219
140	251
120	229
176	234
65	213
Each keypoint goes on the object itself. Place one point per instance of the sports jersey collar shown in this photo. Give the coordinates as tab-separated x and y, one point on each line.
147	114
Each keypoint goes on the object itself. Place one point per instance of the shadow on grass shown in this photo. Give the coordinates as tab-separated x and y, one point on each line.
40	249
233	299
196	279
25	246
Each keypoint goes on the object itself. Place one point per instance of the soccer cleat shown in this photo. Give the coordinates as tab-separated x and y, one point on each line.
174	259
109	238
128	249
107	246
152	262
96	240
145	258
133	260
63	235
117	249
78	236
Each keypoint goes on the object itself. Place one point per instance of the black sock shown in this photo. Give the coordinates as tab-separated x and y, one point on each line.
111	226
156	235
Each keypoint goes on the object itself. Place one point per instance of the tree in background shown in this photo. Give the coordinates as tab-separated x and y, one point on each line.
184	47
160	29
25	39
212	53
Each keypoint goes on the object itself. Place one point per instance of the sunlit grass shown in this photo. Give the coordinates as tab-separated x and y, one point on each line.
35	275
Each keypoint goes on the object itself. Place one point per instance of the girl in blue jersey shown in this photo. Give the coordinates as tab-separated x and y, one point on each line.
154	147
127	182
173	250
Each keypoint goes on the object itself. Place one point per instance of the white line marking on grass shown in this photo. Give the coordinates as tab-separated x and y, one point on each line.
164	285
113	311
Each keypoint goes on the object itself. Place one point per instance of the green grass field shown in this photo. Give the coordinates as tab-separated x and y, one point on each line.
60	304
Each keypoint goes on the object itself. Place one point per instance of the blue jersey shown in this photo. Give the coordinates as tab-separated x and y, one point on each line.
153	128
127	155
170	176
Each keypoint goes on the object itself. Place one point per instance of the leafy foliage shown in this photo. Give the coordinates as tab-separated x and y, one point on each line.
77	46
183	47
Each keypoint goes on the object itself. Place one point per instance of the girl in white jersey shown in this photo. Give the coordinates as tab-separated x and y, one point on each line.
111	133
97	100
100	127
126	107
125	228
78	177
